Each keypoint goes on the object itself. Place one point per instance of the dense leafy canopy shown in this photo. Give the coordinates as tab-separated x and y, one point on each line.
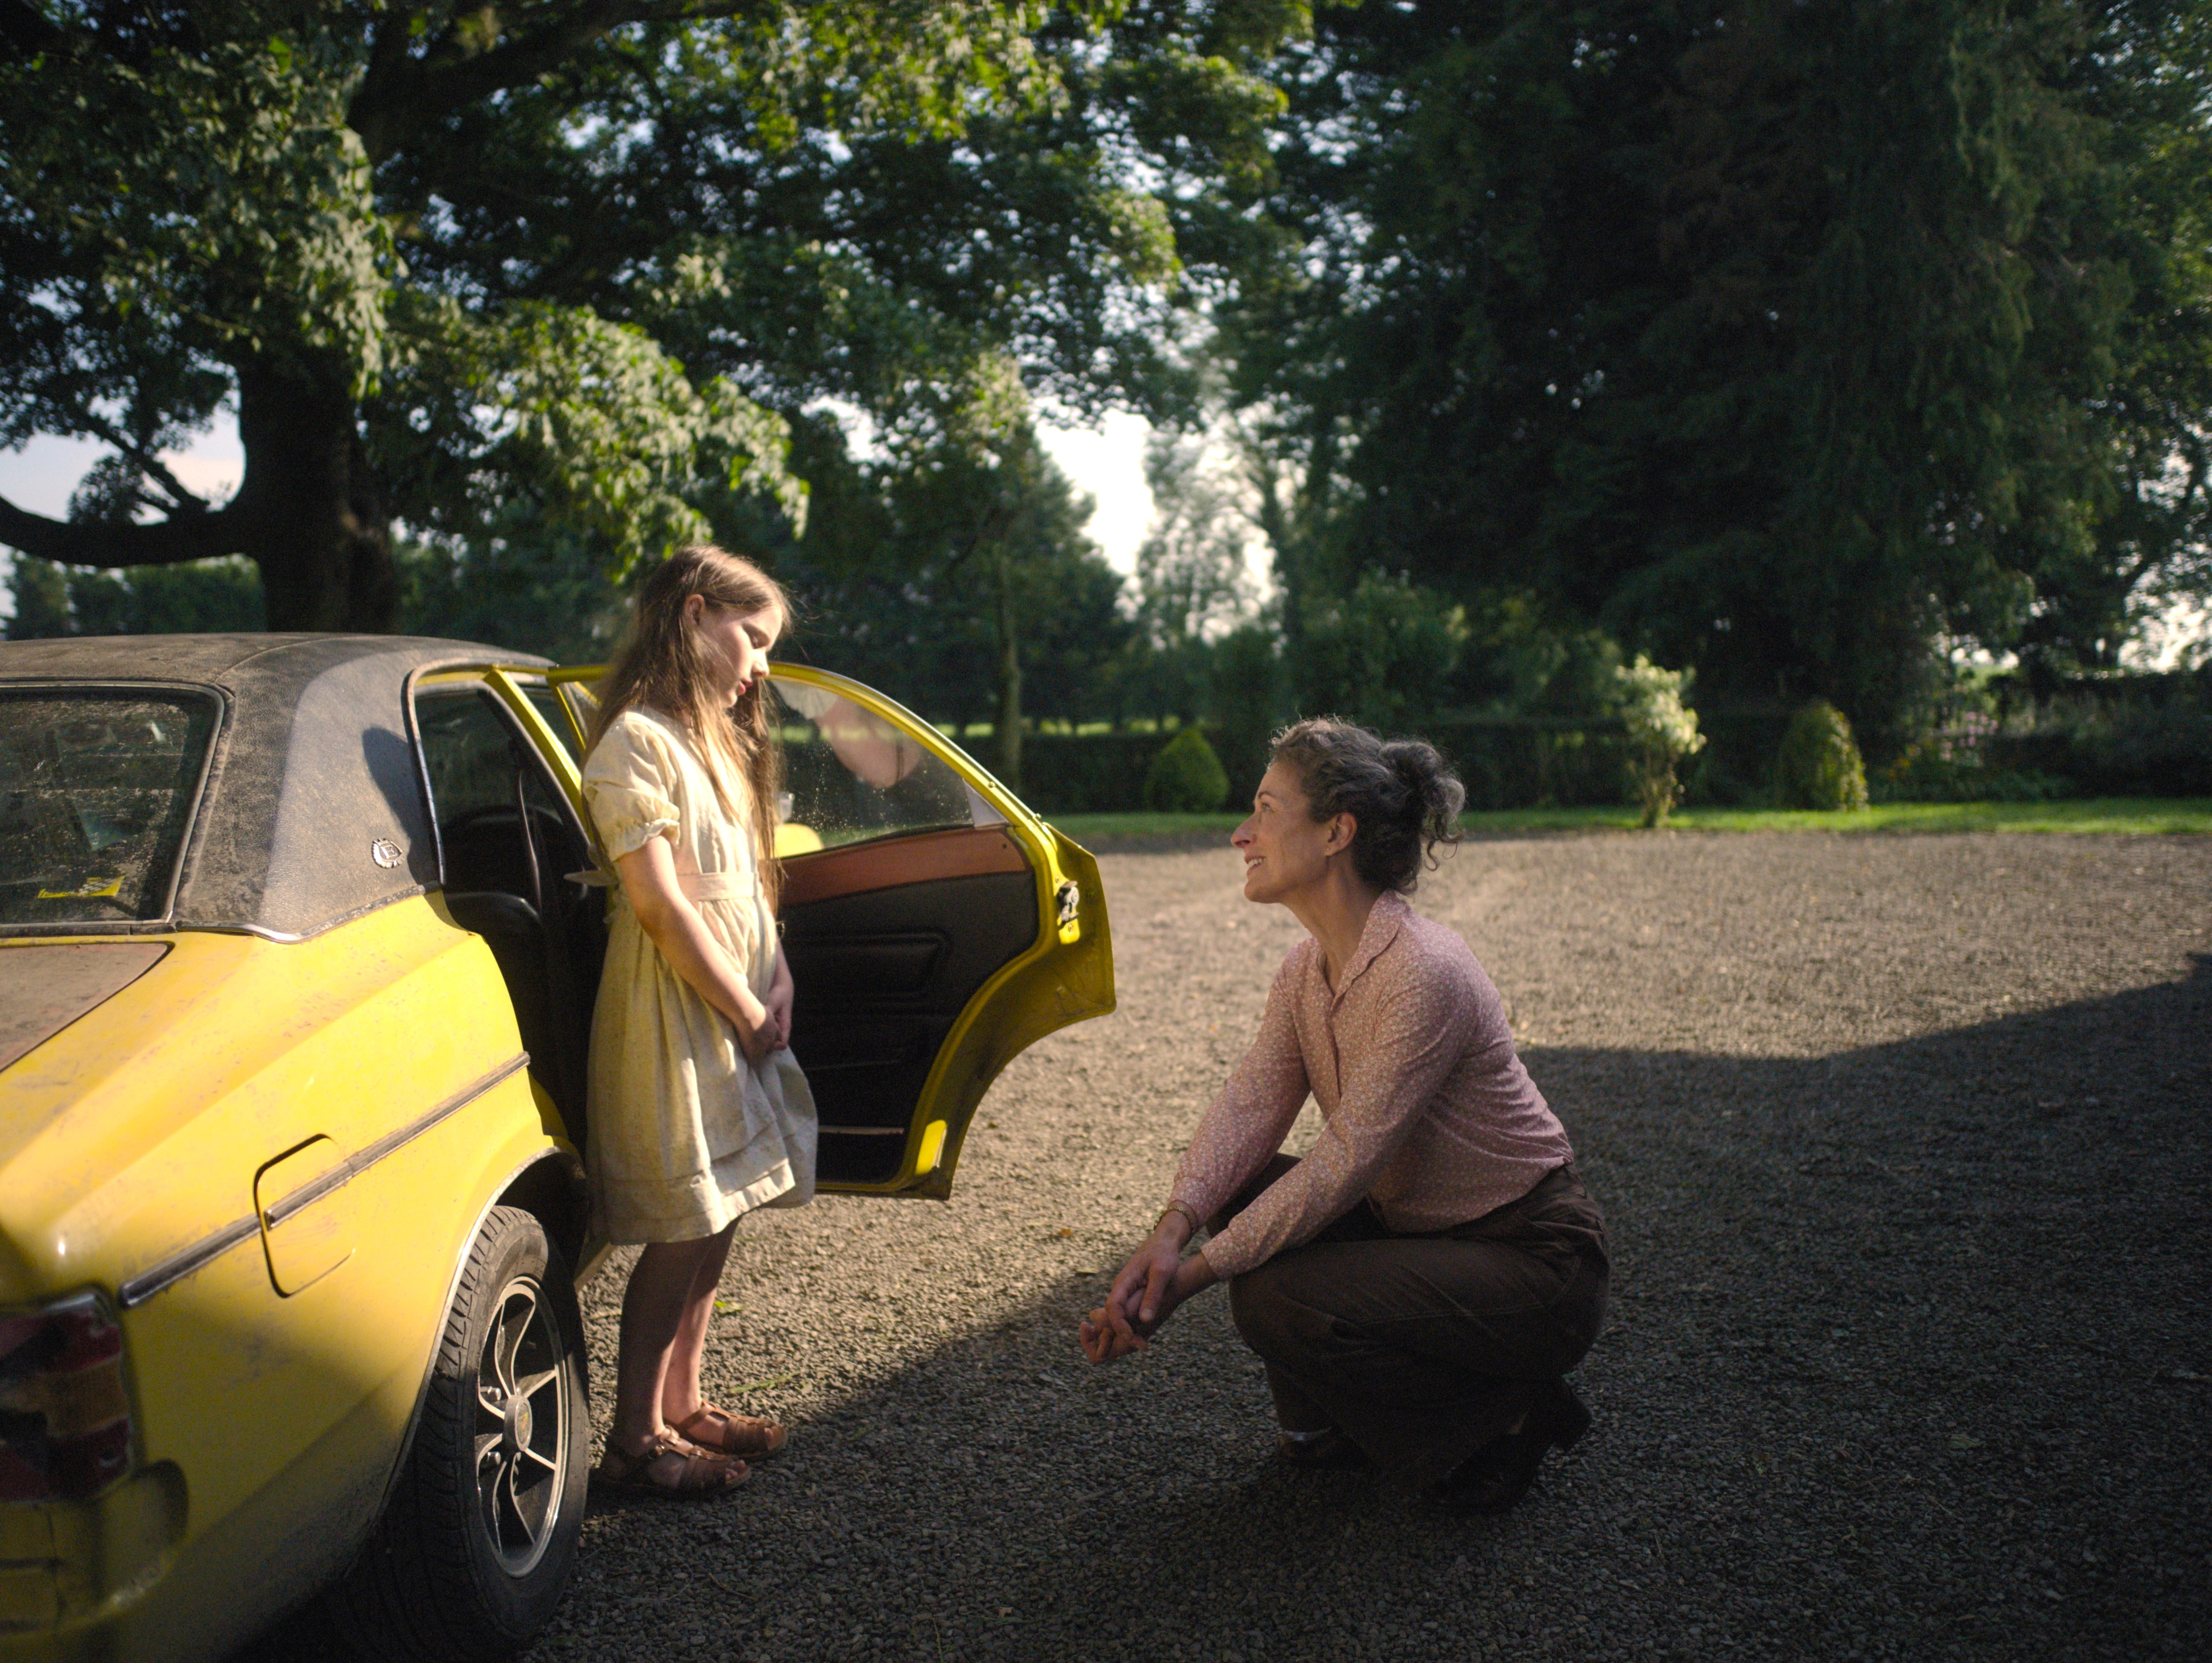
572	266
1783	339
1793	341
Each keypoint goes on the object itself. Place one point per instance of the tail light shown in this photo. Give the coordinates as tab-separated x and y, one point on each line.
65	1427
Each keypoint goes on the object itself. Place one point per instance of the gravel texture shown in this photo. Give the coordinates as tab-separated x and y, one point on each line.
1903	1144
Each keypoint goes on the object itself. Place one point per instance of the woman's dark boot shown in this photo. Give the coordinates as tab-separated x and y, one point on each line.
1497	1475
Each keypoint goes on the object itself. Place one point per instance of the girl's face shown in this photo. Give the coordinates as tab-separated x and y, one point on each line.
735	643
1285	849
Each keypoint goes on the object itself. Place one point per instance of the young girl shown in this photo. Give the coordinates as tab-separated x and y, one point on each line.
698	1111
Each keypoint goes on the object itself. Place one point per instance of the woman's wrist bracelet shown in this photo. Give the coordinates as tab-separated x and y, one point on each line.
1193	1218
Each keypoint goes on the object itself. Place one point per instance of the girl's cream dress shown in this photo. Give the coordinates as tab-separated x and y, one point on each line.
683	1134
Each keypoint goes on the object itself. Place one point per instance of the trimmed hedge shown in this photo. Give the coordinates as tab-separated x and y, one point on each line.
1504	761
1819	765
2122	753
1087	772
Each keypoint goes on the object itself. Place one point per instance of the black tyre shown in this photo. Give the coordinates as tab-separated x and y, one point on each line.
479	1541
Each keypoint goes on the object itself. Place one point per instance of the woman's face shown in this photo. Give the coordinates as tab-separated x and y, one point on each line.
1285	850
736	644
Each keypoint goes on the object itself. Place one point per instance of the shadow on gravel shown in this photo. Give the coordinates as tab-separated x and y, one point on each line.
1909	1357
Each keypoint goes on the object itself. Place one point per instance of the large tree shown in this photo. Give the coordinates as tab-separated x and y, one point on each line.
575	264
1787	339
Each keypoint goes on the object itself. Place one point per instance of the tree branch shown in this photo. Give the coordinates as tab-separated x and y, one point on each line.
26	31
182	500
402	93
166	543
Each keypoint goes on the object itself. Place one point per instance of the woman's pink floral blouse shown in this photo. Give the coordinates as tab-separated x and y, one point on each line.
1427	1109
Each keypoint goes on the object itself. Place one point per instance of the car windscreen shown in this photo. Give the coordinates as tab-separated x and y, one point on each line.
96	792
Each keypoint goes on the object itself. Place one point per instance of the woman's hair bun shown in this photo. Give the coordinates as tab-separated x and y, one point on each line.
1402	793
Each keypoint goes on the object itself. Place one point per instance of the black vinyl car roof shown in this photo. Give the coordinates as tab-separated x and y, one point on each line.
312	767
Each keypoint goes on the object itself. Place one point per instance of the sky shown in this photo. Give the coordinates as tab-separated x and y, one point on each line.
1108	462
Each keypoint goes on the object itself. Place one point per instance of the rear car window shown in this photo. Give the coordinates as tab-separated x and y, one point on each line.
96	794
850	775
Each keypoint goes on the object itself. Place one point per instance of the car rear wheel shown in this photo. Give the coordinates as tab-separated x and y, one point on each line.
479	1543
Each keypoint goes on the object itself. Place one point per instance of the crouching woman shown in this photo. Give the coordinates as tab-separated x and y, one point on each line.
1421	1283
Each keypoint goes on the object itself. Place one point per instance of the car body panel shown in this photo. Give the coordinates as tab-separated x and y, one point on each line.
110	1176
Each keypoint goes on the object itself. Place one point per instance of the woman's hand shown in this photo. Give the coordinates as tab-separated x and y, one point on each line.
1151	1284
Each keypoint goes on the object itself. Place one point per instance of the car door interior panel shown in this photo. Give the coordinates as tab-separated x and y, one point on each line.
891	862
884	958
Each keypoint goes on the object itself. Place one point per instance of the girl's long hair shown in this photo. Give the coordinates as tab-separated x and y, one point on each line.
664	667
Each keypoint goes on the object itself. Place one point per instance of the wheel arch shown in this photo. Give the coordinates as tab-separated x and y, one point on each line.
552	1189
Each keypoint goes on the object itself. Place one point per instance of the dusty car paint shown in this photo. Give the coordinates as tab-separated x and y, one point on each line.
126	1140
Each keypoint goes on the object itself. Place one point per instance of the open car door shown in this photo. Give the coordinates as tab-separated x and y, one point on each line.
935	927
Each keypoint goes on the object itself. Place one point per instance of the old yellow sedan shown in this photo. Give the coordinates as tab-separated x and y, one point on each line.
299	939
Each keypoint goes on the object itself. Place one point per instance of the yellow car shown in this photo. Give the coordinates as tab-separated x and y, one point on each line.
299	939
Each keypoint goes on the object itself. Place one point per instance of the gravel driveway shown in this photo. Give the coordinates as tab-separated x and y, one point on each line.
1903	1141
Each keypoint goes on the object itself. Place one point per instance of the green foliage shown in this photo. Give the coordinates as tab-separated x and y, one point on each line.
1381	654
1186	777
160	600
583	264
1247	702
553	414
1819	765
1785	338
1192	587
959	576
1661	731
540	589
2155	742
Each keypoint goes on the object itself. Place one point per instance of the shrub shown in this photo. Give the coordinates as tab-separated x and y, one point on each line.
2134	747
1661	731
1186	777
1819	766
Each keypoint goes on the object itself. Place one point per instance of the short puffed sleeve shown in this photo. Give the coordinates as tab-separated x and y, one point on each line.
629	782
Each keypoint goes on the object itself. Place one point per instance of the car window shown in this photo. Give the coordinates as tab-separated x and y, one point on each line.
849	776
548	703
467	750
96	795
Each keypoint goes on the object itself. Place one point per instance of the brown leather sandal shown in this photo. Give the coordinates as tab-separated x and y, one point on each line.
720	1432
704	1473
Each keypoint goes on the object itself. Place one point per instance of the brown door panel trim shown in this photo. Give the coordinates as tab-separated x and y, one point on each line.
889	862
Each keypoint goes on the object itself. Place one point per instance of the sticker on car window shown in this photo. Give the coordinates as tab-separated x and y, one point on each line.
93	889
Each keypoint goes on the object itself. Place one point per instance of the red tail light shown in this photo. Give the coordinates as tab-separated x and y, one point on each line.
65	1415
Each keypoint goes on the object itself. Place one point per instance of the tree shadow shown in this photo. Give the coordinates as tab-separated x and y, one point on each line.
1908	1355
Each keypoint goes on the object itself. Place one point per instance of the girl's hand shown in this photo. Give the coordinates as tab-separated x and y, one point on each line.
757	1037
779	1001
655	894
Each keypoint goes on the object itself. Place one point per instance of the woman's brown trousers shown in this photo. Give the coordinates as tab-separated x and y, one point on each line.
1423	1347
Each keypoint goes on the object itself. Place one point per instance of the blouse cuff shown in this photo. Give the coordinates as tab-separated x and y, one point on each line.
1224	1256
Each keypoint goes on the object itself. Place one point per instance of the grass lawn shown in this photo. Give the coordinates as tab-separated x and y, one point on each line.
2128	815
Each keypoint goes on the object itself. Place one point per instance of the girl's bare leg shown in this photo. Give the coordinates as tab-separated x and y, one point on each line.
680	1383
655	1308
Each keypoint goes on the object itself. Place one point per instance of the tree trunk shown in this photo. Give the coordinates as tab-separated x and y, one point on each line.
311	515
1009	724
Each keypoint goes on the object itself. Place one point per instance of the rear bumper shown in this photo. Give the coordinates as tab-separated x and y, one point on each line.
70	1571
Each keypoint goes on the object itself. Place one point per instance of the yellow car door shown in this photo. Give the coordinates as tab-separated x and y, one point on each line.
935	926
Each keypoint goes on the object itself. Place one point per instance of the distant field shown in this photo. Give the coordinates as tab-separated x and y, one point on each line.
2122	816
